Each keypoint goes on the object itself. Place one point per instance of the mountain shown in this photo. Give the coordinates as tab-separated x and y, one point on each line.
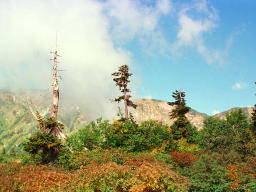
246	110
17	121
159	110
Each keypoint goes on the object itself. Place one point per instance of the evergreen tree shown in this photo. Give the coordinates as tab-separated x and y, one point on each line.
253	119
122	80
181	126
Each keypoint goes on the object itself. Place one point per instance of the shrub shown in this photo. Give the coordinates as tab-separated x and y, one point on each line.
122	134
183	146
43	147
136	173
183	159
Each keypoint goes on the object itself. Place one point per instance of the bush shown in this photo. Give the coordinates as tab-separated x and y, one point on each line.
183	159
122	134
101	170
43	147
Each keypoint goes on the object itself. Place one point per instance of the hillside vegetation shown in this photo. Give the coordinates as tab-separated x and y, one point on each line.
125	156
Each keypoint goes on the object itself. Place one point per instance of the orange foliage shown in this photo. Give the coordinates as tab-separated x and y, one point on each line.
183	159
137	174
233	176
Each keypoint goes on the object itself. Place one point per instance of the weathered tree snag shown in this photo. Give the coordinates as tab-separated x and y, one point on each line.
54	112
56	130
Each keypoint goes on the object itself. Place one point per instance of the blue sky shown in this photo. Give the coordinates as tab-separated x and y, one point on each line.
206	48
225	82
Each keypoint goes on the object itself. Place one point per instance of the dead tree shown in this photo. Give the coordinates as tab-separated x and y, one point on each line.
55	85
122	80
56	129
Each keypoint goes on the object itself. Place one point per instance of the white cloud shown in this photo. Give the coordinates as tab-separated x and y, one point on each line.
88	53
190	29
239	85
88	34
164	6
215	112
194	22
132	19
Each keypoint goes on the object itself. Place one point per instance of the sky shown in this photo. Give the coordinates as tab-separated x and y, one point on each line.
205	48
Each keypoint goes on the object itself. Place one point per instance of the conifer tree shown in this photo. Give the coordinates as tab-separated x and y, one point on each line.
122	80
181	123
253	120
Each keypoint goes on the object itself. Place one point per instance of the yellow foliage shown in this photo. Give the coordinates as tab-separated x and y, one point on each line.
51	145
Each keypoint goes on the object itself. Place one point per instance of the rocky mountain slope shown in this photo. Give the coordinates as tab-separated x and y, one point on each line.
159	110
246	110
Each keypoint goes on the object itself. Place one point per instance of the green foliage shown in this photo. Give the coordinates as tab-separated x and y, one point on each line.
181	126
4	158
147	136
253	121
207	174
232	133
150	135
43	147
3	151
122	79
183	146
221	172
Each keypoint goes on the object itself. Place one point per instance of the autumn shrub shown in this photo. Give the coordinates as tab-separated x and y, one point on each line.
241	177
183	159
137	173
19	177
145	177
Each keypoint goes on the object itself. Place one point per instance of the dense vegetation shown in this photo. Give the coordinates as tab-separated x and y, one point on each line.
124	156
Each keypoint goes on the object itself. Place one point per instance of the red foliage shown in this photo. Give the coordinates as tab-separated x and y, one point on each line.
233	175
183	159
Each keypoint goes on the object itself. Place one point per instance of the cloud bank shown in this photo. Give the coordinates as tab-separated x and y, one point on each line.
92	35
87	32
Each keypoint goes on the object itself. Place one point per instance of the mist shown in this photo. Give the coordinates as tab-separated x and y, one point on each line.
88	56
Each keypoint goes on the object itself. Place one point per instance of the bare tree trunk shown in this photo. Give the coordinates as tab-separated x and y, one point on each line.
125	106
55	89
56	130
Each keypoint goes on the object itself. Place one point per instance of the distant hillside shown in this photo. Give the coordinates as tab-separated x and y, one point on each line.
246	110
159	110
17	121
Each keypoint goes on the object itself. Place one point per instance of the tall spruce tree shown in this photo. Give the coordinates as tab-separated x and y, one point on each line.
253	118
181	126
122	80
